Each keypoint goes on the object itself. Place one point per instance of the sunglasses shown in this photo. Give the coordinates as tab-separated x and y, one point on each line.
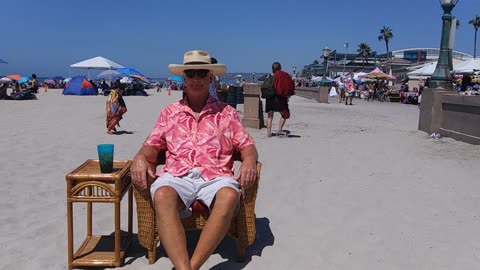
201	73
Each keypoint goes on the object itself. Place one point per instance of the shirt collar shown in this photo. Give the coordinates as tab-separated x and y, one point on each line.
210	106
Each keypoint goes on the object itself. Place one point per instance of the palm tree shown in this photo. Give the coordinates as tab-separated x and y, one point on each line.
386	34
364	50
476	23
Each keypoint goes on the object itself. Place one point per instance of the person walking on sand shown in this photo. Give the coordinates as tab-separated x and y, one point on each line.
350	91
199	134
116	108
284	88
341	91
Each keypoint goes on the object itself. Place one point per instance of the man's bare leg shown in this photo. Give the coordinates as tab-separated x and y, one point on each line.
269	123
217	226
281	124
170	228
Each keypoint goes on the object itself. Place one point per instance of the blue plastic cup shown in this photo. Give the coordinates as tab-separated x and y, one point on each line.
105	157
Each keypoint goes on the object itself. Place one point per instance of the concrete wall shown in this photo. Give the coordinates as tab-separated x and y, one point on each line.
461	118
450	114
318	94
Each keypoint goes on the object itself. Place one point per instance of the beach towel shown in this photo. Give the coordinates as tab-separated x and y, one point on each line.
283	84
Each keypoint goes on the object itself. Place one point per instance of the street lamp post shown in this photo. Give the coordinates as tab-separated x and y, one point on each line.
441	77
345	58
294	69
325	54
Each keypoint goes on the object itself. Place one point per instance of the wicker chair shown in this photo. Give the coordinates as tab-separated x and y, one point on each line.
242	228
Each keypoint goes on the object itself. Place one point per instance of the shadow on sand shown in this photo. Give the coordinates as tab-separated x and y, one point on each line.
226	249
121	132
286	134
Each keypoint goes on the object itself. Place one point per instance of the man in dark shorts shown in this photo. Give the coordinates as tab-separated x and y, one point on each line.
279	102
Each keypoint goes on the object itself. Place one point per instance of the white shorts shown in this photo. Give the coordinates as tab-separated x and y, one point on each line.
192	186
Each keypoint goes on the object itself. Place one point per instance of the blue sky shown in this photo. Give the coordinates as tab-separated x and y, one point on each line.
45	37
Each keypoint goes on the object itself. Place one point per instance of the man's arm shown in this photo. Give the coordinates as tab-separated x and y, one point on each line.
144	165
248	170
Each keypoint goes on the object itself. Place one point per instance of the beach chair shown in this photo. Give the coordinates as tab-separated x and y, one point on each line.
242	228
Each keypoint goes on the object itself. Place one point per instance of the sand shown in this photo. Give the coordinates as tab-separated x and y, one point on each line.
353	187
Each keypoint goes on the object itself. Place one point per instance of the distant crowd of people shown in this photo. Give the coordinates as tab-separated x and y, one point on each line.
466	85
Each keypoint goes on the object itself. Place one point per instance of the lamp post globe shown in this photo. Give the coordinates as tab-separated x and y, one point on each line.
441	77
448	3
325	54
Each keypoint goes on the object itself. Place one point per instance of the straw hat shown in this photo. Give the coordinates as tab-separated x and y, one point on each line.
197	59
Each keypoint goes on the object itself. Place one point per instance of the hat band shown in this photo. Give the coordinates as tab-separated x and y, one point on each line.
197	63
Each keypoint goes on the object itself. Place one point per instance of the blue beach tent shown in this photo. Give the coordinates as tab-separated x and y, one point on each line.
79	86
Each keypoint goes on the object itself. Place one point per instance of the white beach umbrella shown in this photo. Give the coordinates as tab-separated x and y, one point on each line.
426	70
356	75
109	74
126	80
468	66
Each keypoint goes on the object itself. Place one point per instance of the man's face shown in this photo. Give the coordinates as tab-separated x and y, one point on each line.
197	80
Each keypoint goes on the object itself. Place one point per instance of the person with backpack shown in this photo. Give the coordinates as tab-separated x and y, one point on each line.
284	88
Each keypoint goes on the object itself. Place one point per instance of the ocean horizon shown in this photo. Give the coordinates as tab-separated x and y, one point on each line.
226	78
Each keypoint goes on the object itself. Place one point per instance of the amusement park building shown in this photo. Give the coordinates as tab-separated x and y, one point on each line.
425	54
340	63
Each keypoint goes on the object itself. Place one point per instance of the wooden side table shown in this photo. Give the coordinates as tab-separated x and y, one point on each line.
87	184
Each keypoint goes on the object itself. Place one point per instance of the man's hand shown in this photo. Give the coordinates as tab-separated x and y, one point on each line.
139	170
247	174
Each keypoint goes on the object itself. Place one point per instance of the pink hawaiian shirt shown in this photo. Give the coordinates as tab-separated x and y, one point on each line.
206	144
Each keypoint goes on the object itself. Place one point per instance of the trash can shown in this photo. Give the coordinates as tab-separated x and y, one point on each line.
240	97
222	95
232	96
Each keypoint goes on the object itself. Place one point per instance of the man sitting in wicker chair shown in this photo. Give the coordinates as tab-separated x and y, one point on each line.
200	135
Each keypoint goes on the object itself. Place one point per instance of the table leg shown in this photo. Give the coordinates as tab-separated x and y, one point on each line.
89	219
70	234
89	213
117	233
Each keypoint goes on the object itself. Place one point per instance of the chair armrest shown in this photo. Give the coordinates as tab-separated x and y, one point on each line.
145	217
246	216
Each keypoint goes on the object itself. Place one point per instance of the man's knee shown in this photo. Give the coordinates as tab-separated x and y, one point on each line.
166	197
226	198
